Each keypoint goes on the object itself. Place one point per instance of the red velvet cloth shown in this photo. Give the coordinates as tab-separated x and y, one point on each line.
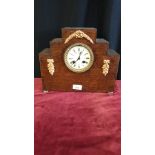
76	123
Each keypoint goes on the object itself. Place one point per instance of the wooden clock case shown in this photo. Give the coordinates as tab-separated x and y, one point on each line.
99	78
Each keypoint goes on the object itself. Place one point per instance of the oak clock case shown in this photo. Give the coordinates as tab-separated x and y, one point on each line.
78	61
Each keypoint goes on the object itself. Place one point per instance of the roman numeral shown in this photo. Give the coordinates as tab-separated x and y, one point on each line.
84	62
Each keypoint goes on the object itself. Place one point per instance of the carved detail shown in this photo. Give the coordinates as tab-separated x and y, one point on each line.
105	67
50	66
78	34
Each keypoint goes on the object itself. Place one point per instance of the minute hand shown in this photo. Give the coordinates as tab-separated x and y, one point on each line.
79	56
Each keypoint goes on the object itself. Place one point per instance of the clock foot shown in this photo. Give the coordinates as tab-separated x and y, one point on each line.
45	91
111	93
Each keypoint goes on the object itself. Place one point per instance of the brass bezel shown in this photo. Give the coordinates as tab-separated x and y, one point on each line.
79	70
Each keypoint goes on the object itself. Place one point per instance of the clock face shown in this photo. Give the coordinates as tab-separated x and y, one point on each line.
79	57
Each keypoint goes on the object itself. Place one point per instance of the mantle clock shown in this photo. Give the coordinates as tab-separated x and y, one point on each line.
79	62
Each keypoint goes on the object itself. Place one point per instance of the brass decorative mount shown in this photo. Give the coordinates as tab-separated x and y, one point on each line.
50	66
78	34
105	67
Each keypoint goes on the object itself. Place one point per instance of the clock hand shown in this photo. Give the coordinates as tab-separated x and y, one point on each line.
79	56
73	62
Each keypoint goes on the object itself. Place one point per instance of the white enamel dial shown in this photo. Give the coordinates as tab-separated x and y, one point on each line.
79	57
